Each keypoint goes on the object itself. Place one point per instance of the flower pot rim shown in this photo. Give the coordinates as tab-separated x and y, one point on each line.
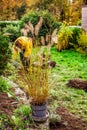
38	104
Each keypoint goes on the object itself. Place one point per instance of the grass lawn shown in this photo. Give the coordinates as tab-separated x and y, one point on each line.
70	65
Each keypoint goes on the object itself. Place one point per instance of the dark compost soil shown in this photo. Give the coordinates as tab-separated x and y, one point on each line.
78	83
68	121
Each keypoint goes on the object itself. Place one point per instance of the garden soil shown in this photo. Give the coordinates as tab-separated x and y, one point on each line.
68	120
78	84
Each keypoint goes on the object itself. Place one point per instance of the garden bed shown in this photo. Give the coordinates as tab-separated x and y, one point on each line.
7	105
68	120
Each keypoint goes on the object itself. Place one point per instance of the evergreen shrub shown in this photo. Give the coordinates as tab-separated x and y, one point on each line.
13	31
49	22
5	52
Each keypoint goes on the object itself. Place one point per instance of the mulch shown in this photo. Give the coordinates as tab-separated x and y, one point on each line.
78	83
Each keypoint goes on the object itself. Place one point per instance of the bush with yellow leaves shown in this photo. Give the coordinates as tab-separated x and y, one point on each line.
64	35
82	40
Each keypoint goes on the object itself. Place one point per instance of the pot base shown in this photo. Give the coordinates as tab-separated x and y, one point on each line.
40	119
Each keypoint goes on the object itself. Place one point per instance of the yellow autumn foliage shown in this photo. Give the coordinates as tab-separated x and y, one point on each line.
63	37
26	44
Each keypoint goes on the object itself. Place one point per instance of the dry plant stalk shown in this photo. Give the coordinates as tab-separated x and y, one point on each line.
42	40
24	32
38	26
31	27
26	26
54	37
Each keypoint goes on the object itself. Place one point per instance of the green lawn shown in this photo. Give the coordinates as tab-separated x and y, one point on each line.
70	65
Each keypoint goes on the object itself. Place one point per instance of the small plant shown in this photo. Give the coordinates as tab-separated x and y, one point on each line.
4	121
23	110
4	86
21	117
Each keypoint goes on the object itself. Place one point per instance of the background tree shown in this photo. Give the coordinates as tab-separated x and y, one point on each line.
21	10
63	10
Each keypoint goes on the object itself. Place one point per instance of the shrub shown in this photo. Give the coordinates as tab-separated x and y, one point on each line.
82	41
64	35
33	17
56	25
5	52
5	23
4	86
48	24
67	37
76	31
13	31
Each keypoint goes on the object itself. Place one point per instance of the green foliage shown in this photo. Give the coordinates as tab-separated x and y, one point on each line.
67	37
21	117
20	11
10	71
70	65
4	86
76	31
4	121
5	23
13	31
82	40
49	22
64	35
33	17
56	25
79	23
23	110
5	53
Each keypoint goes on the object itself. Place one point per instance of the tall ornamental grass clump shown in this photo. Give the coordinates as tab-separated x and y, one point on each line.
36	79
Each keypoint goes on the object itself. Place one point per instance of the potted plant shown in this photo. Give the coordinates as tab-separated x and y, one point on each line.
37	86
